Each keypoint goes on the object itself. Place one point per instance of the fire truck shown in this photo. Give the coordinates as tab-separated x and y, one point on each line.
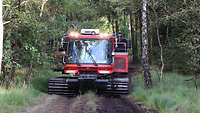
92	60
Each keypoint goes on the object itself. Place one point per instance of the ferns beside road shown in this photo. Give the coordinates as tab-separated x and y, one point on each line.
171	95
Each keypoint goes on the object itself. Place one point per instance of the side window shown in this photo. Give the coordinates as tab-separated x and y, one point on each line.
121	47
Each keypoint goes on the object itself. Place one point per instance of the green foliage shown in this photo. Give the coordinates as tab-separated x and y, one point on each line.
22	94
187	36
101	24
181	41
170	95
14	98
40	80
26	34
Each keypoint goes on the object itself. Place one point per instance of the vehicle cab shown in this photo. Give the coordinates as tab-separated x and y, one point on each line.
93	52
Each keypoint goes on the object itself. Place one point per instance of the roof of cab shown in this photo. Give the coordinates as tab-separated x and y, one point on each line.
96	36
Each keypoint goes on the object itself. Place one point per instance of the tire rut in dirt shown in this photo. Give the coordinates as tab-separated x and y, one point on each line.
114	105
84	104
87	103
59	105
50	104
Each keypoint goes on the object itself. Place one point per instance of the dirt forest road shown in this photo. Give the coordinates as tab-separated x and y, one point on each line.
87	103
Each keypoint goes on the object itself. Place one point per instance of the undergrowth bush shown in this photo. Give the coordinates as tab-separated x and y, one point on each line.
21	93
173	94
40	80
14	98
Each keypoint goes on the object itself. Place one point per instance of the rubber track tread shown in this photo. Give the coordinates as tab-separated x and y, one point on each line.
59	86
118	86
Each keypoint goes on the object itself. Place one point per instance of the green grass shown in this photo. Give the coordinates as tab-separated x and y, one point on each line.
171	95
40	80
23	94
13	99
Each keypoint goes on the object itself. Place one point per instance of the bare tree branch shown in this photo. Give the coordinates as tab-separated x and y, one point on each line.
1	33
42	7
6	22
158	38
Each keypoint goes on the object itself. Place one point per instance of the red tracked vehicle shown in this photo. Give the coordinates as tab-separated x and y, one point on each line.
92	59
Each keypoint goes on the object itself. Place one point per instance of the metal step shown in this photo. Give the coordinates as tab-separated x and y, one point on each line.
63	93
58	87
58	84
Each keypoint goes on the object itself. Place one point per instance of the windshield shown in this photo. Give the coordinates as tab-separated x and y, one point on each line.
90	51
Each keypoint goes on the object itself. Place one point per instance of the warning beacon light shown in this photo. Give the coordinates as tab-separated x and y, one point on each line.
74	34
90	31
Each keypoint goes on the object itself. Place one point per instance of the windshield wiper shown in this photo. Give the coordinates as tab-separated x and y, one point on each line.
93	60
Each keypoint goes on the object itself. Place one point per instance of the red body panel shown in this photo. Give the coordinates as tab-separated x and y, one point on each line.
89	67
121	62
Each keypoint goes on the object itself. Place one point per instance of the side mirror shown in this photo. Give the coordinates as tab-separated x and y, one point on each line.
129	44
121	47
61	51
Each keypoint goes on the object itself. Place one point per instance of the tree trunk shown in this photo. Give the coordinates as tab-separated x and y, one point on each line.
136	39
29	72
1	33
116	26
161	50
139	26
132	38
113	26
157	24
145	62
